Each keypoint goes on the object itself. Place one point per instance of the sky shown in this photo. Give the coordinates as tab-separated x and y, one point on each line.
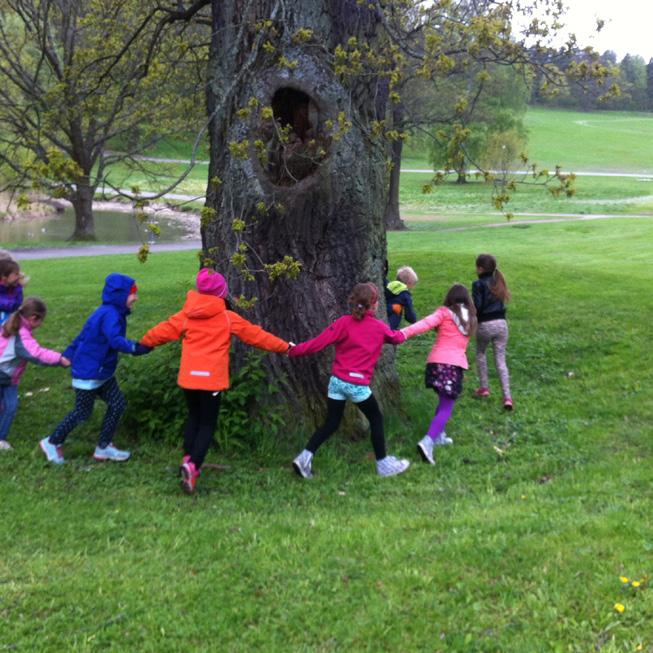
628	25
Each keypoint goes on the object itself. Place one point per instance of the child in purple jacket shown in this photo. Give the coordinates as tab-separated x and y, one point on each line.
17	348
11	290
358	339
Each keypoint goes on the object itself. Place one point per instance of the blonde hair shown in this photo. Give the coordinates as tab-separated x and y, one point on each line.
407	275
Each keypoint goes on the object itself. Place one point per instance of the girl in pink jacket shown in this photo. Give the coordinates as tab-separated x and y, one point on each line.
446	363
18	347
358	339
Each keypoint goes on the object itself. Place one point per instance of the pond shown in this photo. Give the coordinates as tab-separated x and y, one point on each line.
110	227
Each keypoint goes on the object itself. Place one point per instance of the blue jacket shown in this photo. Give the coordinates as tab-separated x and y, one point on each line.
94	352
399	303
11	297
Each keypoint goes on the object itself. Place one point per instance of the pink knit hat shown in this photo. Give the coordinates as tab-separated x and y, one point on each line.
212	283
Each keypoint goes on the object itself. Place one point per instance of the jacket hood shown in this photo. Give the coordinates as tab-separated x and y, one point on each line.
202	307
395	287
116	290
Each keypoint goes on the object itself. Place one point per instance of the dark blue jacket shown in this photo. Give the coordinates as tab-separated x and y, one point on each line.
11	297
94	352
399	303
488	306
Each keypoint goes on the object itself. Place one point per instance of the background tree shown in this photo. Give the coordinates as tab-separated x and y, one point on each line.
298	98
77	76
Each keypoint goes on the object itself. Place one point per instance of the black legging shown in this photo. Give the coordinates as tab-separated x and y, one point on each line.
335	409
203	408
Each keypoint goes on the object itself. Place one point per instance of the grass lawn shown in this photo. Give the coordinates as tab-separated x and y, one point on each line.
515	541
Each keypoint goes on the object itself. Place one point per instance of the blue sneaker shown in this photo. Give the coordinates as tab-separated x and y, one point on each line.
302	464
110	453
52	452
442	440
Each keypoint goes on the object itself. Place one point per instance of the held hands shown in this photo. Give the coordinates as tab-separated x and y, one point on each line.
290	346
64	362
141	350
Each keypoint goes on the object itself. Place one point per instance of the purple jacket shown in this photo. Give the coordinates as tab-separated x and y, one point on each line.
11	297
16	351
358	346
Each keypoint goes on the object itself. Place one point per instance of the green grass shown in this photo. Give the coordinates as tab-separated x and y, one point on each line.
514	551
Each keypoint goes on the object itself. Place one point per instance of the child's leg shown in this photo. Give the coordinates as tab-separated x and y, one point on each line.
8	408
209	407
116	403
442	415
335	409
84	400
192	421
482	341
499	342
370	408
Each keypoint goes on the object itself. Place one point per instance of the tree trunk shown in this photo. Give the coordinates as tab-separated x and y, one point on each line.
326	211
393	221
82	201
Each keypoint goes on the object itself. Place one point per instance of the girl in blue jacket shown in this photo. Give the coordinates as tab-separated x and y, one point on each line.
94	356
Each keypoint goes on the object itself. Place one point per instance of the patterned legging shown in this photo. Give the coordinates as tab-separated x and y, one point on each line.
112	396
495	332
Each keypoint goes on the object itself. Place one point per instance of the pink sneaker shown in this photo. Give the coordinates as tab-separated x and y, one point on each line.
507	403
188	477
482	392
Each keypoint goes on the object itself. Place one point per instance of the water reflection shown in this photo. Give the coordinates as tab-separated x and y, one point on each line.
110	227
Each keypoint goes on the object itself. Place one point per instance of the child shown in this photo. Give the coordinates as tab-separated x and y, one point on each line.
17	348
398	299
205	326
358	338
94	356
491	295
446	363
11	290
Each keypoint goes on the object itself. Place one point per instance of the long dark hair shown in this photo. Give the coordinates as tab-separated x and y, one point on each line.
30	307
458	296
498	285
362	298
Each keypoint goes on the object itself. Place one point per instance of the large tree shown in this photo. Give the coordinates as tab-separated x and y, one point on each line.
298	98
77	76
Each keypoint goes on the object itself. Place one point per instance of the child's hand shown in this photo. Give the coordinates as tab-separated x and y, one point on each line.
290	346
141	350
64	362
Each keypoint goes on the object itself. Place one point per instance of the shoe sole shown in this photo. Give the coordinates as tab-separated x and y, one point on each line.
401	471
186	481
424	455
298	470
113	460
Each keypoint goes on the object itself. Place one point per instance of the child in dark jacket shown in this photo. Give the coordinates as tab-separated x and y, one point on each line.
398	299
11	290
94	356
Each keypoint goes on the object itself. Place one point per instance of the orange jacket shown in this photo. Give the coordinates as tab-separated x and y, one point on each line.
206	327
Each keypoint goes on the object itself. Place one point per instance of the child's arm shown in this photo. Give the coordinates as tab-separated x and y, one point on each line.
429	322
166	331
477	294
29	349
392	337
113	332
409	309
326	338
254	335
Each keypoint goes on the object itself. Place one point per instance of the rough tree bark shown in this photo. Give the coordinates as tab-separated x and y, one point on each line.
329	215
393	221
82	201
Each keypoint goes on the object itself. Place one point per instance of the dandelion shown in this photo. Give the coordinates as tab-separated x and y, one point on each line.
623	579
639	647
635	583
619	607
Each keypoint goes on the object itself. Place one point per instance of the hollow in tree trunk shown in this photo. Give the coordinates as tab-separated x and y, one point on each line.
316	194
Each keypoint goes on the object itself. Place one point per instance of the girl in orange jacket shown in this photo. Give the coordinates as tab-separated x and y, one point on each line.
206	326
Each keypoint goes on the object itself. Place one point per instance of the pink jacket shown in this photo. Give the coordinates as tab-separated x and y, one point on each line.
358	346
450	342
16	351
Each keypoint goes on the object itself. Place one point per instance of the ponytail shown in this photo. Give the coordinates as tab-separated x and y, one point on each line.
32	306
458	296
498	285
362	298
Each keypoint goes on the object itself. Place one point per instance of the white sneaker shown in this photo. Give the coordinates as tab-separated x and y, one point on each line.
53	452
425	449
391	466
302	464
111	453
5	445
442	440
